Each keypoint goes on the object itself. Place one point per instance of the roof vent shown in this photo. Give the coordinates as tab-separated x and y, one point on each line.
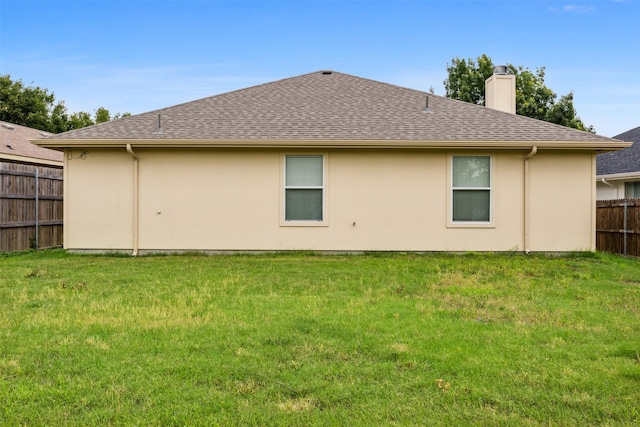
46	135
327	72
426	105
500	70
10	146
7	126
158	131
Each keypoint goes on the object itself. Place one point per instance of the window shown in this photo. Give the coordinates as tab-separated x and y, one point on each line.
471	189
304	188
632	190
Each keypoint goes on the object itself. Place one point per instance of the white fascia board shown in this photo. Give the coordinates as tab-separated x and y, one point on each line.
327	144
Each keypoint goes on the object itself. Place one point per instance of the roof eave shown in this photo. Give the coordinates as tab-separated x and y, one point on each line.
32	160
59	144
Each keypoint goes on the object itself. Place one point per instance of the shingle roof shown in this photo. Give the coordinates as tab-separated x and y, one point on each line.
329	106
14	141
623	161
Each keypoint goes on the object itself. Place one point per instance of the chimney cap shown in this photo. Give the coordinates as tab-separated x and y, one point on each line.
500	70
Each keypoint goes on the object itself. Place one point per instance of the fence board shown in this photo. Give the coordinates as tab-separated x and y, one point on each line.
618	226
19	204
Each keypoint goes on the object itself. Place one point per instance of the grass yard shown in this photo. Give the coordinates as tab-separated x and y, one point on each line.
298	339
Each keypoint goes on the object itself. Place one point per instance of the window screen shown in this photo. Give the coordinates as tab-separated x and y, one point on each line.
304	187
471	186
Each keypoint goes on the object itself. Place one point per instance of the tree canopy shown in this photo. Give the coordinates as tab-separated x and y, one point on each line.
466	78
35	107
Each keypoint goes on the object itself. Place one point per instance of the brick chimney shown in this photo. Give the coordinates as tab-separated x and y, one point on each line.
500	90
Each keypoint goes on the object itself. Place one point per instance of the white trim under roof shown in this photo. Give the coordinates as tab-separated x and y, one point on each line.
32	160
327	144
619	176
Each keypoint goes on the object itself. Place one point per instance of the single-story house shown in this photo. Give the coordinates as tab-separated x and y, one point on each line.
618	172
328	161
30	190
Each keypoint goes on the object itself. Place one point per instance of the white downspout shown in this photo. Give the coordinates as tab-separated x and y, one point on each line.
527	203
615	187
135	200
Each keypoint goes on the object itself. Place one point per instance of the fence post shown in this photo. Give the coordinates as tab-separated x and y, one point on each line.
625	226
38	212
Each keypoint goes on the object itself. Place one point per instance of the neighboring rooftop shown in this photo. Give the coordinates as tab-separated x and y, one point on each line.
327	106
623	161
15	144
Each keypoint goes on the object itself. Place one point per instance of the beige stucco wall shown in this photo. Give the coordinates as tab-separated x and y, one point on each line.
562	201
98	199
215	199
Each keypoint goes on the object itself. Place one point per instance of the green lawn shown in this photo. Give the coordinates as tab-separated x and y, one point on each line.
298	339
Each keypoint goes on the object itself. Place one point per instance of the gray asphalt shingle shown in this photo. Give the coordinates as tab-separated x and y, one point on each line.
15	140
330	106
623	161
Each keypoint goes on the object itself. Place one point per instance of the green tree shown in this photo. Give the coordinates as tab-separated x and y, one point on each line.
25	105
59	118
120	116
80	120
35	107
466	82
564	113
102	115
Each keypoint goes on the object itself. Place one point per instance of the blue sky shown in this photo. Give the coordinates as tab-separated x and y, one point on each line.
140	55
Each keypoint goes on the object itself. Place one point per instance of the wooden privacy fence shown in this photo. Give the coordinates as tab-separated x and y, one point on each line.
30	206
618	226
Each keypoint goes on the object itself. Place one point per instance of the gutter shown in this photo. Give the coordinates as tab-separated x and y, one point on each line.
619	176
32	160
606	145
136	223
527	203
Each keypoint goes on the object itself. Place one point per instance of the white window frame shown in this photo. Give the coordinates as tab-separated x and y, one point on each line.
283	202
471	224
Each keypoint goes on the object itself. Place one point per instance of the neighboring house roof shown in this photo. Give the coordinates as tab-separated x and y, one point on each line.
15	145
328	109
624	161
